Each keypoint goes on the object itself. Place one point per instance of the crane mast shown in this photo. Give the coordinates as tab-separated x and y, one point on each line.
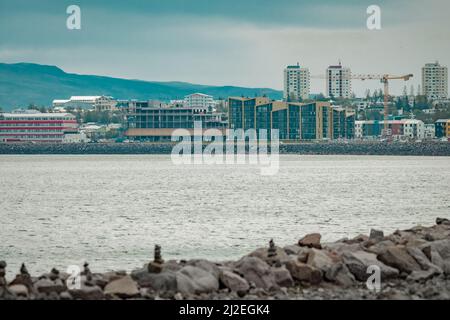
383	78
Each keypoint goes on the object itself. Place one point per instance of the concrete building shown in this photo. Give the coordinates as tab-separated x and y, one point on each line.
149	123
442	128
98	103
338	82
296	83
430	132
33	126
401	129
295	121
199	100
435	81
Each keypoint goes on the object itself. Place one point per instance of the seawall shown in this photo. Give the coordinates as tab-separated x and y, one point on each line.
332	148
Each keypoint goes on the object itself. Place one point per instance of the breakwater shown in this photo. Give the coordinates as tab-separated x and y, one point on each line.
410	264
332	148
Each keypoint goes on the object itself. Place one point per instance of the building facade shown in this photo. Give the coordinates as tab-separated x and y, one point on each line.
296	83
338	82
435	81
98	103
149	123
199	100
442	128
36	126
400	129
294	121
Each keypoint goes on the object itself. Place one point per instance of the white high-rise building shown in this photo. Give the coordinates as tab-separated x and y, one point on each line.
435	81
338	82
296	83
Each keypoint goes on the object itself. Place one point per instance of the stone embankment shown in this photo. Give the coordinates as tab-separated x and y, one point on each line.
412	264
330	148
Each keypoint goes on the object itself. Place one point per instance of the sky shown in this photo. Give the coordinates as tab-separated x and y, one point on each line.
228	42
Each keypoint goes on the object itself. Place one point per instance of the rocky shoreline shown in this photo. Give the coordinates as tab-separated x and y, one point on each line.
412	264
322	148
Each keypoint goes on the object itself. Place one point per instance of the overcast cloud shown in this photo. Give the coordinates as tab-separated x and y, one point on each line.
245	42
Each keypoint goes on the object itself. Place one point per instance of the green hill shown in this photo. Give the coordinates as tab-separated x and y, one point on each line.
22	84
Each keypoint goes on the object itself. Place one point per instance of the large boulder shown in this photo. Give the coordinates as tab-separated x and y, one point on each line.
193	280
206	265
303	272
234	282
263	254
399	258
256	271
87	293
322	259
340	274
442	247
283	277
164	282
48	286
358	263
124	288
19	290
311	240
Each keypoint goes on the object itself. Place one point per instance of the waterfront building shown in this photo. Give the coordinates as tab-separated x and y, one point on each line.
296	83
295	121
33	126
410	129
435	81
429	133
98	103
338	82
149	123
199	100
442	128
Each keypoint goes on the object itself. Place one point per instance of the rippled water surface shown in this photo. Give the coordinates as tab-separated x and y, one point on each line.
111	210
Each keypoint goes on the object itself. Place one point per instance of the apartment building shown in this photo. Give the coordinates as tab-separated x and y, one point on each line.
435	81
296	83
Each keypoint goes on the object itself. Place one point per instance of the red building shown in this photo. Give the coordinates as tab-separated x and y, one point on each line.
36	126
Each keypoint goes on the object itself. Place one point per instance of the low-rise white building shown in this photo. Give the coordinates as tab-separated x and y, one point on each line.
429	131
199	100
98	103
410	129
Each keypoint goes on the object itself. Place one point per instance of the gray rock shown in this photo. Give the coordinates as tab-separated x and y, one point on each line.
263	254
322	259
380	247
399	258
283	277
442	247
164	282
125	287
194	280
87	293
358	262
340	274
256	271
423	260
48	286
19	290
303	272
206	265
234	282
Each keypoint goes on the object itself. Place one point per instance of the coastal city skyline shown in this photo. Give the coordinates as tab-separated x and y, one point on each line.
208	50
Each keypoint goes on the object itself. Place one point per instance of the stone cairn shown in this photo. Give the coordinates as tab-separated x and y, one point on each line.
4	291
87	272
156	265
23	278
272	253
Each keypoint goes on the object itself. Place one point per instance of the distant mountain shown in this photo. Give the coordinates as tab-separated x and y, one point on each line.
22	84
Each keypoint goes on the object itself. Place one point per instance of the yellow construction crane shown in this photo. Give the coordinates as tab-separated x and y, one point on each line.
384	78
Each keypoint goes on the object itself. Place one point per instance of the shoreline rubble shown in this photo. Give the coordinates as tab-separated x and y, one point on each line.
413	264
